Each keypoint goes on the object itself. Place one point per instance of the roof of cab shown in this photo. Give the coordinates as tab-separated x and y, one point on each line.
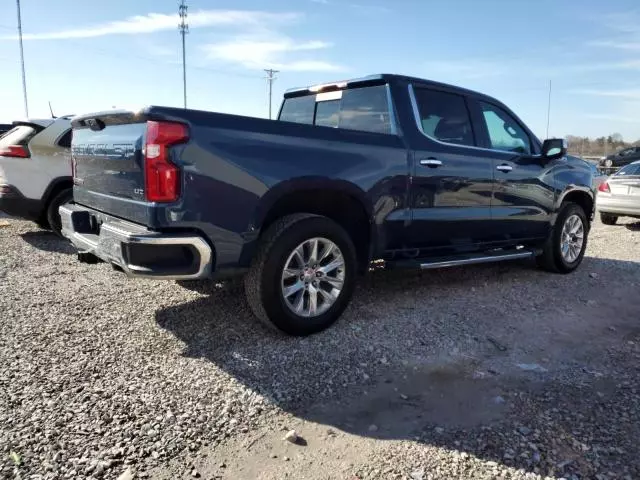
381	78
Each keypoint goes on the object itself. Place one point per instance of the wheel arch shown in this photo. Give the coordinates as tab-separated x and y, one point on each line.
56	185
581	196
341	201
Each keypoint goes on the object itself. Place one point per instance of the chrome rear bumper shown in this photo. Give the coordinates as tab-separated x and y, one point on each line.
138	251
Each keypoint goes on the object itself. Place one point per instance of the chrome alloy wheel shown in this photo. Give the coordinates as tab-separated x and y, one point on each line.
572	238
313	277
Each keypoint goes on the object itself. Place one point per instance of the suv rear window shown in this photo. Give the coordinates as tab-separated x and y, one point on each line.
65	140
365	109
19	135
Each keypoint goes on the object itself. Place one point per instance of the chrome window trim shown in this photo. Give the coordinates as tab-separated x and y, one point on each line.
392	111
416	116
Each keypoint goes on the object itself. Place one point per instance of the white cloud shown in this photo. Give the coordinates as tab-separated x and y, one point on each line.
594	67
632	94
617	44
269	51
625	28
155	22
613	118
463	69
360	7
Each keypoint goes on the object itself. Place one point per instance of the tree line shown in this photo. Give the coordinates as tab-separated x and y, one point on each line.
597	147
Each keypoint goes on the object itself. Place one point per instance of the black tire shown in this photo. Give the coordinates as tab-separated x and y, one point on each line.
551	258
263	281
608	219
43	223
53	216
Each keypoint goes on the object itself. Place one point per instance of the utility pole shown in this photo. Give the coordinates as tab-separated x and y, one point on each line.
549	109
270	78
184	29
24	77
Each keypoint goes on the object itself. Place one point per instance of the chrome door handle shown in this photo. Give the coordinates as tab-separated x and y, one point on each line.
431	162
504	168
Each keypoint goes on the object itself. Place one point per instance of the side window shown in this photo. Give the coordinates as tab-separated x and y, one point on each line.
444	116
65	140
298	109
504	131
365	109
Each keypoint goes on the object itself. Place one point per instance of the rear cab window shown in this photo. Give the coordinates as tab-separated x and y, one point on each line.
364	109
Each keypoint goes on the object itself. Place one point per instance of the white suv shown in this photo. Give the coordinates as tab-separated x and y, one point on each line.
35	170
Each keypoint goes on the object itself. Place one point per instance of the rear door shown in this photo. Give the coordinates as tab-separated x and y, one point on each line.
523	195
452	179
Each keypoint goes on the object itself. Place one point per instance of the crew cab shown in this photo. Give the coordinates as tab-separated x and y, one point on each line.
407	171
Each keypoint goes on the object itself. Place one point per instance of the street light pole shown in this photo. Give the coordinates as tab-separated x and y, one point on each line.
184	29
24	77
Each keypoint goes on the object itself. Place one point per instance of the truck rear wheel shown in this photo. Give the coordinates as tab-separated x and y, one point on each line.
303	275
564	250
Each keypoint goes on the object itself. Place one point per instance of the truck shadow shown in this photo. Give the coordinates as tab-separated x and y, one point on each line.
427	357
48	242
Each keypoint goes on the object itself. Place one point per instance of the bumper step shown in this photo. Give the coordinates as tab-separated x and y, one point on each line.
138	251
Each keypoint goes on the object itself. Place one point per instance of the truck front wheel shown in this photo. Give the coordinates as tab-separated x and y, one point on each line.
564	250
303	275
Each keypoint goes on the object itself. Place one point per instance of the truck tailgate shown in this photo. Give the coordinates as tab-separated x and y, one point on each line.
117	170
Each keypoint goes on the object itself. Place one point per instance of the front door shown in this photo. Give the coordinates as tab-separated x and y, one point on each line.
452	180
523	193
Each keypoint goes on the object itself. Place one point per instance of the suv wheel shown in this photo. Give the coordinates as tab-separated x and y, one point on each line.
53	215
564	250
303	276
608	219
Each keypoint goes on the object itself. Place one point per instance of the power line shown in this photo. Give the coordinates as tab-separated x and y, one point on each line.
270	78
184	29
24	77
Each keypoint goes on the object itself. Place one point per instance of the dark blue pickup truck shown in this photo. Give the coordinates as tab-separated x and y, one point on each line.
415	173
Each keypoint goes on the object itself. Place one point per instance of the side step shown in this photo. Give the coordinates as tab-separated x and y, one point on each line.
464	259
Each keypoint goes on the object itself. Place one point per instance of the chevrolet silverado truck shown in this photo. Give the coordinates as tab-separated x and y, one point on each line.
402	171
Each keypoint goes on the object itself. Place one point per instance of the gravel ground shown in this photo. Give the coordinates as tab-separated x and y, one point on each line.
483	372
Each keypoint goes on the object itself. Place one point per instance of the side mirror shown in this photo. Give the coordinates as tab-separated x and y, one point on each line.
554	148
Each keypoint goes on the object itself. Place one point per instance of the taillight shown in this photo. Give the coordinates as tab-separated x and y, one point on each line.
604	187
17	151
162	178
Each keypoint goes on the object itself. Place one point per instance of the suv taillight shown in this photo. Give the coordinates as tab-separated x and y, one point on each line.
17	151
604	187
162	178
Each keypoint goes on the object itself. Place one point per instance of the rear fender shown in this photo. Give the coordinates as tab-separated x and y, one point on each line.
290	188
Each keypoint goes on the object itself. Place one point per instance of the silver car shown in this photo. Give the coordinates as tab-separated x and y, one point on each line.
619	196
